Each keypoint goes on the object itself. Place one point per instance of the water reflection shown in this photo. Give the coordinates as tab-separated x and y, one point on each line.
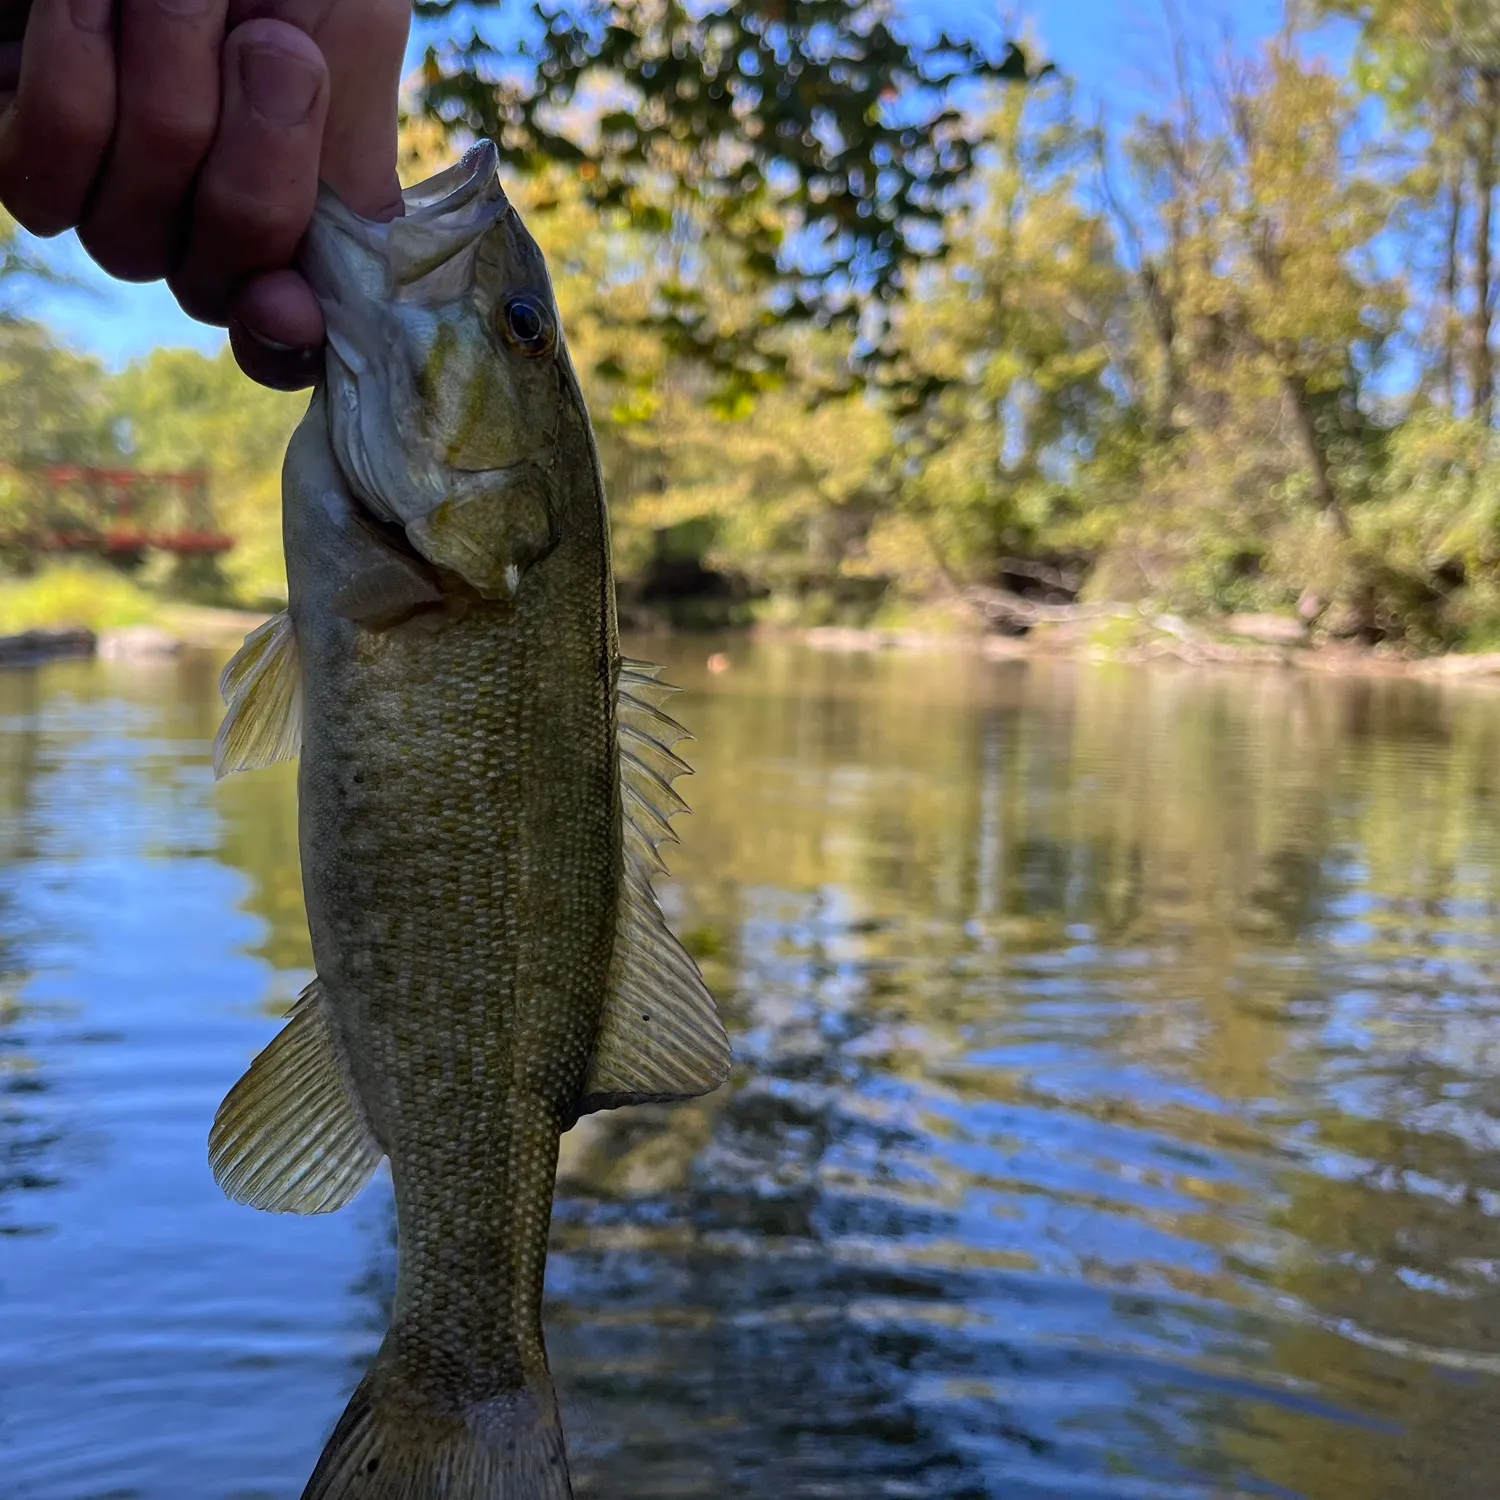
1116	1112
28	1139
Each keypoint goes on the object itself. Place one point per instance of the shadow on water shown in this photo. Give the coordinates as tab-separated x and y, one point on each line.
1116	1110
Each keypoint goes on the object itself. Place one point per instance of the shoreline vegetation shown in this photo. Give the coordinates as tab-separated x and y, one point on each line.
1215	384
1119	634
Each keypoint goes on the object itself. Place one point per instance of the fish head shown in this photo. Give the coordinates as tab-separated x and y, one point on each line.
447	376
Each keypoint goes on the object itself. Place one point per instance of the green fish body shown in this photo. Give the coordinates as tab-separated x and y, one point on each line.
483	784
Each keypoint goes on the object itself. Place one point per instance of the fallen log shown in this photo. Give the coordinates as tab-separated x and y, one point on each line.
33	646
1001	607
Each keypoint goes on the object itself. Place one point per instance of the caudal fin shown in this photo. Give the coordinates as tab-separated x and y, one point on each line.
384	1448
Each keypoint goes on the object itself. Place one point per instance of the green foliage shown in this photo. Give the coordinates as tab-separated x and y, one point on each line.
178	410
823	141
1167	363
1435	531
52	407
73	594
1434	65
1006	391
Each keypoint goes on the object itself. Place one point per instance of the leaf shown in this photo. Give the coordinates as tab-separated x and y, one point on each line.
729	103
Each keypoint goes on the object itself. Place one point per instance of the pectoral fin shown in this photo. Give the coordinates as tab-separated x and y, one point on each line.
292	1136
385	592
262	686
660	1037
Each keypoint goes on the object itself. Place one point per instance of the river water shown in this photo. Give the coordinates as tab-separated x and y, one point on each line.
1117	1108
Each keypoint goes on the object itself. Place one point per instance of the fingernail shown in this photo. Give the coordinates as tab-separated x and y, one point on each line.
281	87
283	367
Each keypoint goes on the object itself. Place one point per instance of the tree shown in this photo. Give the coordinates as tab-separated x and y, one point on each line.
51	400
179	410
823	140
1436	65
1012	352
1252	218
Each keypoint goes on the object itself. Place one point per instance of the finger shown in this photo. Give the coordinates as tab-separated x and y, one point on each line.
274	365
276	330
365	44
168	113
258	187
54	136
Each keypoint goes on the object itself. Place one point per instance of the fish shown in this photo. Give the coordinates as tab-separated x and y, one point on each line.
484	786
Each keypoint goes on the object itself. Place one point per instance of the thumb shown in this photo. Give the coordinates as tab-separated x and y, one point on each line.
363	43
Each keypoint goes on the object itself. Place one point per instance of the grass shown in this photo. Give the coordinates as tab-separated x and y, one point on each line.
72	595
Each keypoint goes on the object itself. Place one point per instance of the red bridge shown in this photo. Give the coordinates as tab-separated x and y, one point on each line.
119	513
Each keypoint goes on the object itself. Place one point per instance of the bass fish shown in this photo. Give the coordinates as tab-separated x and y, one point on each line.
483	786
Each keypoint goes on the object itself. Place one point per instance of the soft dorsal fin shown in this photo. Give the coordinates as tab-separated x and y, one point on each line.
660	1037
262	686
291	1136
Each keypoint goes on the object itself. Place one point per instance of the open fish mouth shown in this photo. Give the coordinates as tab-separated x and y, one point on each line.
455	187
447	215
444	217
362	272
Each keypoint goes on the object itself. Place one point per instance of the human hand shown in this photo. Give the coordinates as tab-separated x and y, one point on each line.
184	139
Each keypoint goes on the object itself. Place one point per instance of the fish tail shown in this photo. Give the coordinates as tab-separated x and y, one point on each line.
386	1447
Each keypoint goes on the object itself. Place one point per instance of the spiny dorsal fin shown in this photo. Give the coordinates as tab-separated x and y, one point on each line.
262	686
660	1037
291	1136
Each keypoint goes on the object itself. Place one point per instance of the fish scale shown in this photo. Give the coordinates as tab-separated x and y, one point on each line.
484	782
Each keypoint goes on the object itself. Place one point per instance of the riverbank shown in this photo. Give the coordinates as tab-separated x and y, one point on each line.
1131	637
173	629
1116	634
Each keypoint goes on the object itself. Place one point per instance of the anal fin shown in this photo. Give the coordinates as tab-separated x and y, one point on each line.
292	1136
660	1037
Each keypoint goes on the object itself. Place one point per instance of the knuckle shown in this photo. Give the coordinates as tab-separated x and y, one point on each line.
173	136
305	15
262	224
391	21
68	122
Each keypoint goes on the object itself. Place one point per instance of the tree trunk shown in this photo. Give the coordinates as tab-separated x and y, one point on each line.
1484	291
1300	408
1360	590
1163	322
1451	288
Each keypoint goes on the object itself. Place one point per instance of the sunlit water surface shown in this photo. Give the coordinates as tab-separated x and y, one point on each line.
1117	1109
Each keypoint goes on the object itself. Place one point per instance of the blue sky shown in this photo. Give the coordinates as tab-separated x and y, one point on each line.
1111	47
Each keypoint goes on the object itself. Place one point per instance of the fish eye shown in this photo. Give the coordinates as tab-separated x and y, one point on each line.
527	325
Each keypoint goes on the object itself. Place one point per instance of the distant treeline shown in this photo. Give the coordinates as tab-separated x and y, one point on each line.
1234	354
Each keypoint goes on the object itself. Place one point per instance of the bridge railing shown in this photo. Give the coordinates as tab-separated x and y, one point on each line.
110	511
